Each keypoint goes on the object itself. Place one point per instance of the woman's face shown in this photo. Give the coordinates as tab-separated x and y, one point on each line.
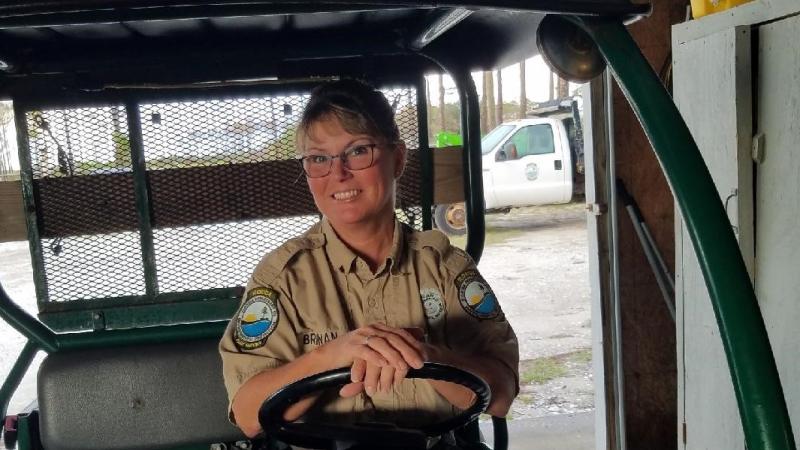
357	197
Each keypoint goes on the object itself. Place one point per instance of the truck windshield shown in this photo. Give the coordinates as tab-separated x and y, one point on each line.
490	141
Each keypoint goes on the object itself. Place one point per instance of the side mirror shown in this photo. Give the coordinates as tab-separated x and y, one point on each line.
500	156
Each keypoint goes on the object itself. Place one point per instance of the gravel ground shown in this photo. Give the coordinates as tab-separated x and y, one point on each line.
536	261
541	277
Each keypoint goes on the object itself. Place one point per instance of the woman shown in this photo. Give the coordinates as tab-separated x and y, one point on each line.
360	289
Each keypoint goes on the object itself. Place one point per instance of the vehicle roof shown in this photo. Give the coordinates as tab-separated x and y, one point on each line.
530	121
124	41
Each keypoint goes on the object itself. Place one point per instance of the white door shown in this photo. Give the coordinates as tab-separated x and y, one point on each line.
533	172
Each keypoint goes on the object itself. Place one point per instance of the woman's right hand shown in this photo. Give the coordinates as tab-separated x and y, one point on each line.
379	356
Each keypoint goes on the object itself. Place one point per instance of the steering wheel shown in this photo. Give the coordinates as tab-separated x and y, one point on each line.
270	415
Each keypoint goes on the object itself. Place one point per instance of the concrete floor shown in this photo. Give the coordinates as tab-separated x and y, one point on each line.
558	432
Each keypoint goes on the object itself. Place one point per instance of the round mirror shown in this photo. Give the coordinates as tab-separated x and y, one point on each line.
568	50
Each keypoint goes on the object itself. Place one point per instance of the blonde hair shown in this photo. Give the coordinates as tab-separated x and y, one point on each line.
359	108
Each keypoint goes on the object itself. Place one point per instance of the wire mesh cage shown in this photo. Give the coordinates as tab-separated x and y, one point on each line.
85	202
223	189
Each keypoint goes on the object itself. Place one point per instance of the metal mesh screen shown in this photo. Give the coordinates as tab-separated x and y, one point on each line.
215	134
409	192
223	184
81	167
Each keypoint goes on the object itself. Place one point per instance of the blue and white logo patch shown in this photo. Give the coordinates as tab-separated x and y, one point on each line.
475	295
432	305
257	318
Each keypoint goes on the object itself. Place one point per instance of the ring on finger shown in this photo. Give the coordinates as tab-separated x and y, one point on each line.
366	339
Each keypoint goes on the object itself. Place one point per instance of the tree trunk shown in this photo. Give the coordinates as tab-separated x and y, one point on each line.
523	98
442	120
499	107
489	82
551	89
484	102
563	88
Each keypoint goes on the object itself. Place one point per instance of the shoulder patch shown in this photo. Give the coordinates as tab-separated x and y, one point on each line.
475	295
256	319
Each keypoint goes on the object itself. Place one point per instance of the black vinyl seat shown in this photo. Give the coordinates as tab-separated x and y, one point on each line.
136	397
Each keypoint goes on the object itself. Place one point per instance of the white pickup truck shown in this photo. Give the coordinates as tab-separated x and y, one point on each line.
526	162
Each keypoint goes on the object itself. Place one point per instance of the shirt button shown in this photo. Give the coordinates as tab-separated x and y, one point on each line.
371	302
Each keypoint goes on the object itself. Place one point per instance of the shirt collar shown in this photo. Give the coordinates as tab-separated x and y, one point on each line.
344	259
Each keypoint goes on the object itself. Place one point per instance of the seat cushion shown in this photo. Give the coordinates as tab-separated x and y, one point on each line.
134	397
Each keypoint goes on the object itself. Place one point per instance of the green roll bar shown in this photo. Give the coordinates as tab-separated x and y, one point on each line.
762	407
51	342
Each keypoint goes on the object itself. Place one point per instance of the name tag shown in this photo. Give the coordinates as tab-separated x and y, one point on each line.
317	339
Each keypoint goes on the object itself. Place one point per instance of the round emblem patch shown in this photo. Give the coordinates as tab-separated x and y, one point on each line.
432	304
257	318
475	295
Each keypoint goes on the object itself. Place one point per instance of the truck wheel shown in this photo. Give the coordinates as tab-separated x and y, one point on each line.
451	219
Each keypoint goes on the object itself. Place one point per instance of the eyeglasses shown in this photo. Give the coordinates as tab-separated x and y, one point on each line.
359	157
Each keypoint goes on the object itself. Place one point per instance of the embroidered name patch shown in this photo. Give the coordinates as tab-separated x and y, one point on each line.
475	295
317	339
257	318
432	305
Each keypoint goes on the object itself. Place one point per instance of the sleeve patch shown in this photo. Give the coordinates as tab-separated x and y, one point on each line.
475	295
256	319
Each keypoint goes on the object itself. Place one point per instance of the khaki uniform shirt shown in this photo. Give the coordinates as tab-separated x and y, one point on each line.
314	288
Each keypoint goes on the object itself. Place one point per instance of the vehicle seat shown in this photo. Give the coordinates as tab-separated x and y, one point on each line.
138	397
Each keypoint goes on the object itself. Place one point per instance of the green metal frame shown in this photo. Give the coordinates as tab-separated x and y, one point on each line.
44	338
473	162
142	198
762	406
29	203
425	156
15	375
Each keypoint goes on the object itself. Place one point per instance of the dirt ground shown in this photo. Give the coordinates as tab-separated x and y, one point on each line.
536	261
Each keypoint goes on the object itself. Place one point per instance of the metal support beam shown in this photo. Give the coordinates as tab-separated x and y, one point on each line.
15	376
142	198
762	406
26	324
29	204
472	163
425	155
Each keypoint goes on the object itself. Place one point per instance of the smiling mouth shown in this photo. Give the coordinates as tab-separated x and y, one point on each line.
344	196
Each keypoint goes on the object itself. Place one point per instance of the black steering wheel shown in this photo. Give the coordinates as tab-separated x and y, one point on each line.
316	435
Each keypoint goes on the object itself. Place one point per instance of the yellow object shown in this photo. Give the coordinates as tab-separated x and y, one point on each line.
701	8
